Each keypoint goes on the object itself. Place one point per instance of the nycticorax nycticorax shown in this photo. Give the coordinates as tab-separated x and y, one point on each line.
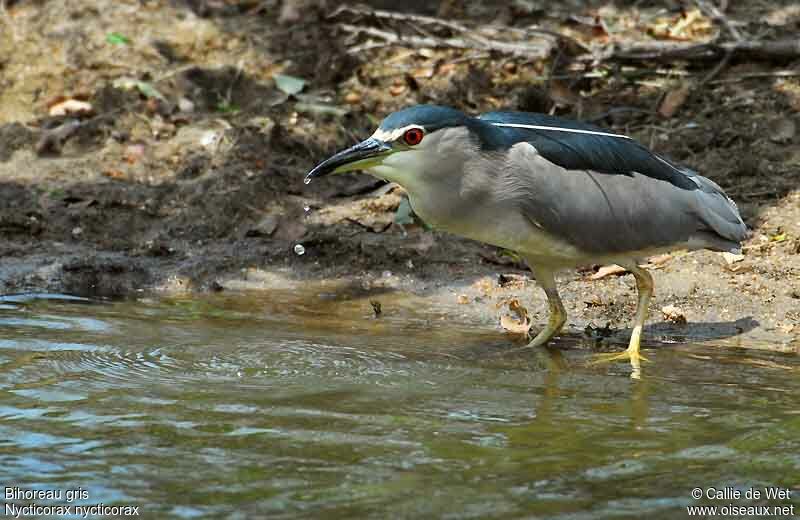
560	193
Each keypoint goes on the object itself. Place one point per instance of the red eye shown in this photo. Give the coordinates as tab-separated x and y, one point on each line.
413	136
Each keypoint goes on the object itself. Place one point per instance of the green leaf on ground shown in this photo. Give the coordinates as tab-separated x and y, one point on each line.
117	39
227	108
404	216
289	84
145	88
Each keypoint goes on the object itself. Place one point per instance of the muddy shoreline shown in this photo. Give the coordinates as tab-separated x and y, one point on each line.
200	187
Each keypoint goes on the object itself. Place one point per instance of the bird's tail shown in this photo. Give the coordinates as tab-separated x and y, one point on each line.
723	228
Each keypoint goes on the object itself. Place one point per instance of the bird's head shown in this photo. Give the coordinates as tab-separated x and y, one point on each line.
408	146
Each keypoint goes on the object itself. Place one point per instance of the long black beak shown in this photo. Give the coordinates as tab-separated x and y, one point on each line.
364	154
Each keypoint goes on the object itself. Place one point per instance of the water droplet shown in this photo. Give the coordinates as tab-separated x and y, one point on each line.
307	180
306	208
299	249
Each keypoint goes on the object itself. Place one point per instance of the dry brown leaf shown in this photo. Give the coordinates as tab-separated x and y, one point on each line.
608	270
660	259
791	89
783	16
687	26
352	98
518	324
70	106
423	72
485	285
463	299
114	174
731	258
673	101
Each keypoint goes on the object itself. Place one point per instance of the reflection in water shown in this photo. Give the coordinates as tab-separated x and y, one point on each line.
304	404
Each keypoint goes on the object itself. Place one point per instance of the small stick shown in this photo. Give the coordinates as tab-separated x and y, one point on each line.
515	48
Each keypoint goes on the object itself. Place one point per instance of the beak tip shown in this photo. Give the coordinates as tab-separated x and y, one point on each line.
339	162
313	173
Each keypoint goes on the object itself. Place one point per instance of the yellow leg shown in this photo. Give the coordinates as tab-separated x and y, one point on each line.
558	315
644	284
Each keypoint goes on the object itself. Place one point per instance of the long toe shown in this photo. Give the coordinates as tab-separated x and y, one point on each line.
635	357
541	339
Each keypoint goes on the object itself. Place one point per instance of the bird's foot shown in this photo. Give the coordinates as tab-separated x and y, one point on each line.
634	356
629	354
540	340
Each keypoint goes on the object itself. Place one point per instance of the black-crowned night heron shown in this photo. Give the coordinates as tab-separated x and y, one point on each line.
560	193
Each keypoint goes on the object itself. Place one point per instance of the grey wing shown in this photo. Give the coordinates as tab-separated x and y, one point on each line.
607	213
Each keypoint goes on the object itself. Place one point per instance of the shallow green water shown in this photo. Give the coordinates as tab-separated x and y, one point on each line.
286	405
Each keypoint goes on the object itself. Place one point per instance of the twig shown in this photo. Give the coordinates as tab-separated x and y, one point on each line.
403	17
474	43
52	139
449	24
719	67
767	74
719	16
671	51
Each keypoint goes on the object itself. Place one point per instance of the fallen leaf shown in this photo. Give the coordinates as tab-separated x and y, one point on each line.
688	26
289	84
117	39
70	106
486	286
114	174
783	16
608	270
673	101
463	299
146	89
791	89
660	259
352	98
673	314
404	216
731	258
519	325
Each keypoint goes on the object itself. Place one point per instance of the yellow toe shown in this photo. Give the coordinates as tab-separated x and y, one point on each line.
634	356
